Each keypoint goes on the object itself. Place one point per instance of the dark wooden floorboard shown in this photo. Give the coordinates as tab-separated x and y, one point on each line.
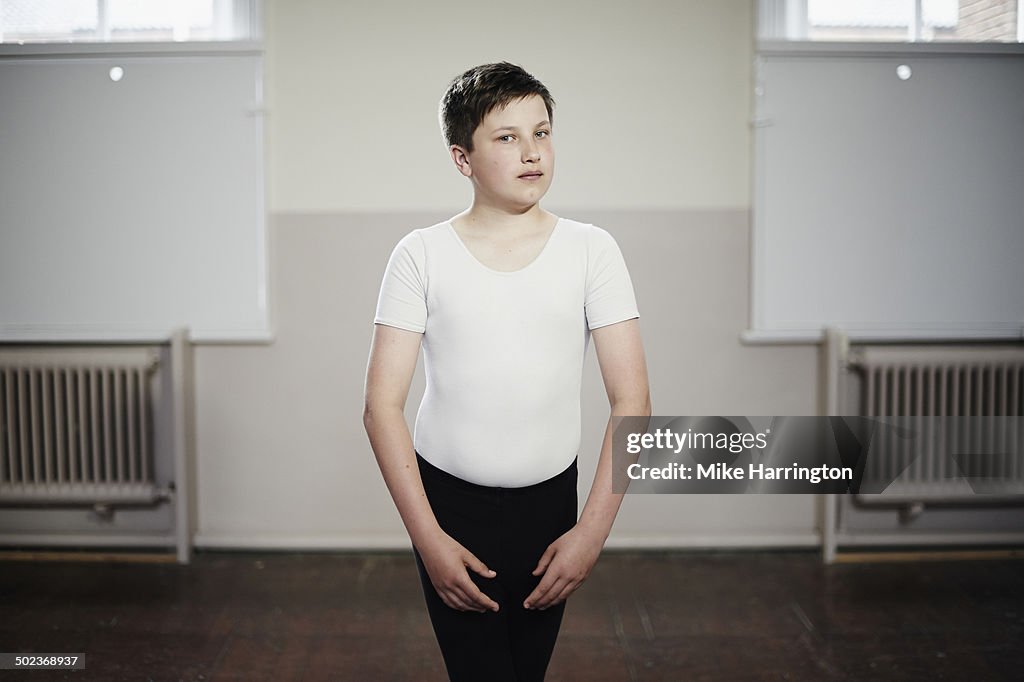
640	616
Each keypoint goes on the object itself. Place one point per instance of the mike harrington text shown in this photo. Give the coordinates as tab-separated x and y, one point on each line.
754	472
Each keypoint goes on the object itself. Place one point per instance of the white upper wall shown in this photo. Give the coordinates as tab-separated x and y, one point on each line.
652	100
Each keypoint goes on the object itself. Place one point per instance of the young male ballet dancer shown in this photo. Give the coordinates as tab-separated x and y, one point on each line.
503	298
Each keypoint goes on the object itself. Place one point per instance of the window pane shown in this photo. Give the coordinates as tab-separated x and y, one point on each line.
47	20
124	20
148	20
893	20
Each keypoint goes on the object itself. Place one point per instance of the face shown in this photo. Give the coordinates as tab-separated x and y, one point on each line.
513	159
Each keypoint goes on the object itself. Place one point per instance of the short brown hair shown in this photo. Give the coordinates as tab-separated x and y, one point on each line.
475	93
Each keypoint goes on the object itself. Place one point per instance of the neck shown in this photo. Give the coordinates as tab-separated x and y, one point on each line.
499	222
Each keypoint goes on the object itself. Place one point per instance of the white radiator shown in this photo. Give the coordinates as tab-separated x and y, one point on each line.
967	391
948	381
976	393
76	426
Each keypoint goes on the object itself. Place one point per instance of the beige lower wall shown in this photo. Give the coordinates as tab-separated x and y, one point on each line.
282	457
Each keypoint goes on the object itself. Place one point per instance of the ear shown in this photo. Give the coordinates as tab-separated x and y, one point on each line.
461	158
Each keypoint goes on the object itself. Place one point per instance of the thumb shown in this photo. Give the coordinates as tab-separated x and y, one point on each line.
479	567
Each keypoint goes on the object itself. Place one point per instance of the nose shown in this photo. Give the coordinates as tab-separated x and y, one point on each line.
531	152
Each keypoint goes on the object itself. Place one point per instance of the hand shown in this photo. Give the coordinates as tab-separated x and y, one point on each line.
446	562
565	564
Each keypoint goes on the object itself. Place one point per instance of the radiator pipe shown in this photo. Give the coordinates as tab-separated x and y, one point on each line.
910	512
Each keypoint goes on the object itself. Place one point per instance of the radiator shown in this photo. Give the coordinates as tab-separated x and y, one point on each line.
973	389
76	426
978	384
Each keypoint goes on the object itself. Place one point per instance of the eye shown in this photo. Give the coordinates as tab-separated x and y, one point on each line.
543	133
505	138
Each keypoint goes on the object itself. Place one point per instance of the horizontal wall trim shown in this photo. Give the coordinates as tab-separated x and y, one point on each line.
299	542
400	542
803	539
396	542
888	538
757	336
74	333
228	48
44	539
832	48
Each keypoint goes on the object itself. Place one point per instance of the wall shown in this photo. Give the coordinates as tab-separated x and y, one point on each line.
653	143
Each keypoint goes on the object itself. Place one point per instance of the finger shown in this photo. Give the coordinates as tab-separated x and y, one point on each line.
460	599
454	601
478	566
475	597
564	594
545	559
548	599
543	590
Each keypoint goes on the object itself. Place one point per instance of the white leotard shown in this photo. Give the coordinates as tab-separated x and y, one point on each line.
503	351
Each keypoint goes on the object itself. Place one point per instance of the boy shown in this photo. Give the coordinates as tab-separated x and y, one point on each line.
503	298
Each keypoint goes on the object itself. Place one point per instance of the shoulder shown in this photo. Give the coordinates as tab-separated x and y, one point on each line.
416	242
423	235
587	231
432	233
593	238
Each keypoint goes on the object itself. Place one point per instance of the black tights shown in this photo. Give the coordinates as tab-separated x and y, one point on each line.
508	529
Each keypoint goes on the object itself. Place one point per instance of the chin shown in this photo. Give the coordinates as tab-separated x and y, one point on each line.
533	199
524	198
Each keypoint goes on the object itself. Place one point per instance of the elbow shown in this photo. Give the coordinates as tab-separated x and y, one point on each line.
369	414
633	406
373	411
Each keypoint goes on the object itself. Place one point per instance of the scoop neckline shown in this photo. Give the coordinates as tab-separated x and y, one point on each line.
505	273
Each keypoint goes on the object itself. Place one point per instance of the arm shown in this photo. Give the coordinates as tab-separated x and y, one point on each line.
393	356
620	353
568	561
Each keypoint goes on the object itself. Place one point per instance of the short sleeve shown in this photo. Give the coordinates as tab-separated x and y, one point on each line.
609	297
402	301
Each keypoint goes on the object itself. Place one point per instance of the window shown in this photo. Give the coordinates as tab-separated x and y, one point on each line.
887	149
893	21
141	134
63	21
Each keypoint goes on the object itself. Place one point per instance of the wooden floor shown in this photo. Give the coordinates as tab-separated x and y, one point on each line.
640	616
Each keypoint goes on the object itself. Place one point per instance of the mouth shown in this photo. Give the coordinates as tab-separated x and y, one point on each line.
532	175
